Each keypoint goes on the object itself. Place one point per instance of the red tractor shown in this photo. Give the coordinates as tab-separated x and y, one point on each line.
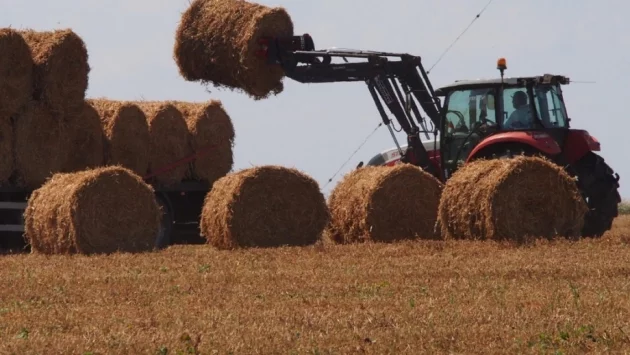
495	118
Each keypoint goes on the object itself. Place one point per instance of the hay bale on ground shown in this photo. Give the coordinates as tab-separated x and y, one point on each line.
61	69
103	210
217	40
511	199
6	149
264	207
126	134
384	204
211	134
41	144
86	140
168	141
16	72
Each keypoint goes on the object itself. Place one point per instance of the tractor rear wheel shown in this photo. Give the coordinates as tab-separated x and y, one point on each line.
599	185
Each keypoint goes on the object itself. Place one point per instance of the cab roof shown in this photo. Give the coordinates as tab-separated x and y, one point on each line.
509	81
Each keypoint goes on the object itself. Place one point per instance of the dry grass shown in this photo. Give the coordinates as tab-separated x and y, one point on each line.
474	297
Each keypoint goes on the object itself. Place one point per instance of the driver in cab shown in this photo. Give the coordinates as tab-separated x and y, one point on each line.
522	116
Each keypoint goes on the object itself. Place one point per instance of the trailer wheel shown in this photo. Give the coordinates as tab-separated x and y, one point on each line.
163	238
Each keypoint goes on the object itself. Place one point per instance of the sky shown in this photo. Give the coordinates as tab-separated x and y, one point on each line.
317	127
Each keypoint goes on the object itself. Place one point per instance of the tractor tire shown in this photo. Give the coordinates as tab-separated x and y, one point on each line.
599	185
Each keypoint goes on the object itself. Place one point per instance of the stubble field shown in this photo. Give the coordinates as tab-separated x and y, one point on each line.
411	297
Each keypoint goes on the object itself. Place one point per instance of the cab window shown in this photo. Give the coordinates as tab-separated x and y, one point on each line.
467	108
550	106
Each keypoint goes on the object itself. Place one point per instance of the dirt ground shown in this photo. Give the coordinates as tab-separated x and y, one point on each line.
411	297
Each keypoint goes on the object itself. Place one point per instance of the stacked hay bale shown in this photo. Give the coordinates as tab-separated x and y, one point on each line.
265	206
43	80
16	88
217	40
211	137
41	145
384	204
61	69
168	141
125	134
102	210
511	199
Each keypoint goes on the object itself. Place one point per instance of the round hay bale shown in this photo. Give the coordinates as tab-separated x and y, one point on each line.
384	204
61	68
217	40
264	207
86	140
211	135
168	141
126	134
41	145
16	72
511	199
6	149
102	210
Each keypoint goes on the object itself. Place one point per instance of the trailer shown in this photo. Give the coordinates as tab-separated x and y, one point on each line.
181	206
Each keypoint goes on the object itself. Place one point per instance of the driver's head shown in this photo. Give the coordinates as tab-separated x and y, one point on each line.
519	99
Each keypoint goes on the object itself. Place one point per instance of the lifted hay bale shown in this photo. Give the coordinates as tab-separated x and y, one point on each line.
86	140
16	72
103	210
264	207
61	69
6	149
168	141
126	134
209	125
217	40
511	199
41	145
384	204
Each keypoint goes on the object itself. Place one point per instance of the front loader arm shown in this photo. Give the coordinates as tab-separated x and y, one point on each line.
383	76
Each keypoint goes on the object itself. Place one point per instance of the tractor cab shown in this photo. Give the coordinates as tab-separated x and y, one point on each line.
504	109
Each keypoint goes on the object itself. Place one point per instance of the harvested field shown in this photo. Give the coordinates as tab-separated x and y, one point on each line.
86	140
16	72
413	297
211	134
265	206
42	143
513	199
384	204
103	210
126	130
168	137
217	40
6	149
61	69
